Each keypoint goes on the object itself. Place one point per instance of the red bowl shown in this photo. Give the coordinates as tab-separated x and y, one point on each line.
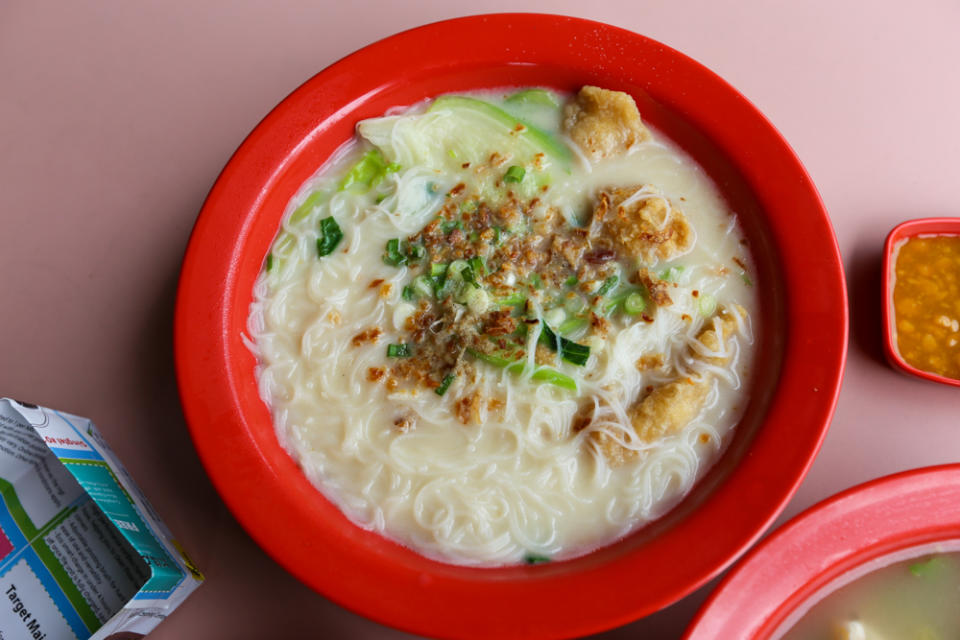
801	344
807	557
900	233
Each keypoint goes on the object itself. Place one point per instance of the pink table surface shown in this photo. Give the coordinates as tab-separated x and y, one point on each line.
116	116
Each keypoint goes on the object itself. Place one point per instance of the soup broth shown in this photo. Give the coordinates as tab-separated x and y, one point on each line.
506	327
911	600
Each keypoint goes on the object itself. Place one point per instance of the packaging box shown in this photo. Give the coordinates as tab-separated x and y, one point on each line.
82	553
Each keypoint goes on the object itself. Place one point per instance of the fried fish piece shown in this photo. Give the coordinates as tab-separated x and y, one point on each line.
603	123
648	228
671	406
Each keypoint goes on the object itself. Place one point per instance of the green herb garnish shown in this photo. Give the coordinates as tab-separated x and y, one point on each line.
408	293
572	281
540	374
608	285
367	172
401	252
330	236
399	350
670	274
568	350
707	305
478	265
269	261
307	207
571	325
927	568
447	381
422	286
513	299
514	174
533	558
634	303
449	225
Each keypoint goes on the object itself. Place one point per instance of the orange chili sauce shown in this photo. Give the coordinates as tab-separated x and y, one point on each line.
926	303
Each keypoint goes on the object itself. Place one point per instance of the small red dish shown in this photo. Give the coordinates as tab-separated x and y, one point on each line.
895	239
866	526
801	347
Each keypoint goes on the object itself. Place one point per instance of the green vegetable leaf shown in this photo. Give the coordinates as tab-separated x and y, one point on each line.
313	200
539	97
368	172
330	236
569	350
928	568
269	261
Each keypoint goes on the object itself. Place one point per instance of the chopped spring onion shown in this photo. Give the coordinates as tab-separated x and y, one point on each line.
497	232
707	304
449	225
670	274
540	374
571	281
478	265
476	299
514	174
468	207
608	285
330	236
746	279
447	381
398	350
422	287
533	558
438	269
634	303
269	261
569	350
367	172
513	299
393	256
408	293
456	268
380	198
400	252
536	281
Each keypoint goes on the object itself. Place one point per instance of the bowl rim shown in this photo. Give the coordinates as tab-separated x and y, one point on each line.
865	523
245	474
899	234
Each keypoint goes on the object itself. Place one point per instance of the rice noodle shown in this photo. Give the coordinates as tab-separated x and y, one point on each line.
521	481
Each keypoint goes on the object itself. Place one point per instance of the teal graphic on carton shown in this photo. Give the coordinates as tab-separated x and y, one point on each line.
82	553
98	480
